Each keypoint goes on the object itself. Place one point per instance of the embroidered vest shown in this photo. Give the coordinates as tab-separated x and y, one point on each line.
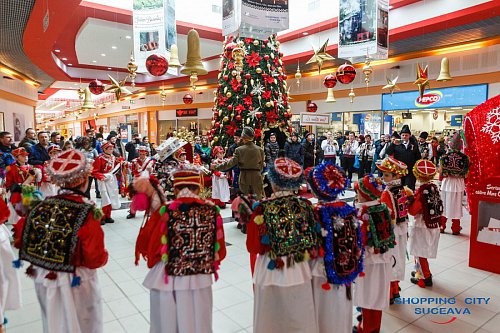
50	233
378	230
455	163
400	201
432	205
341	242
290	225
191	240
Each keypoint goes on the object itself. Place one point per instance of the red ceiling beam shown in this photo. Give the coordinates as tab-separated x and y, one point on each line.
394	4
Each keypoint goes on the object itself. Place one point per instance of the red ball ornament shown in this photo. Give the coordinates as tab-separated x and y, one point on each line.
330	81
346	73
226	77
312	107
238	117
266	57
216	113
156	64
187	99
96	87
217	124
263	46
283	123
258	115
248	76
230	107
209	137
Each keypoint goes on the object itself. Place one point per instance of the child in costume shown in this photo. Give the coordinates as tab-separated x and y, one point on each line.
453	168
63	241
397	198
10	291
48	188
183	243
424	233
283	234
220	185
340	259
371	288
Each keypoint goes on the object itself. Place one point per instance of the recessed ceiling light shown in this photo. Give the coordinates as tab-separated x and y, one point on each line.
128	37
70	64
109	67
75	84
57	50
103	54
391	7
305	33
94	61
114	47
64	59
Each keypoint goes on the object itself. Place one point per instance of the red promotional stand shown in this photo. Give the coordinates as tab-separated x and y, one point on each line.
482	133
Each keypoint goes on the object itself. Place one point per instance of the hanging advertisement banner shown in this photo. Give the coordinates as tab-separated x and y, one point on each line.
154	30
363	29
254	18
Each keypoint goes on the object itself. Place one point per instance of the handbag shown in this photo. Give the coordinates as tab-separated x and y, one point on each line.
356	162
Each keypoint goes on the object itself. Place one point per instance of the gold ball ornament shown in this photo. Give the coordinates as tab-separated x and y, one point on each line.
225	90
214	92
280	69
256	42
233	73
229	94
278	43
225	119
269	104
241	43
248	121
258	70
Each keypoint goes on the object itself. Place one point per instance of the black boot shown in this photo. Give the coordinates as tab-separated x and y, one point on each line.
130	216
244	228
110	220
103	221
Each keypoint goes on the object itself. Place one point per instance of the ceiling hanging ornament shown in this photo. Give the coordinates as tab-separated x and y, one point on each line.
351	95
298	76
81	93
346	73
118	87
367	70
156	64
132	69
329	82
444	73
174	57
311	106
391	84
163	95
194	65
187	99
96	87
320	56
422	80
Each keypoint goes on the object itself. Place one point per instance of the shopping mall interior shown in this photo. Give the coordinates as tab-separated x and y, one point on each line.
209	68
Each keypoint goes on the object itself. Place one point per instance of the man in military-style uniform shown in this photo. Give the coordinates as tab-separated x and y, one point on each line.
250	159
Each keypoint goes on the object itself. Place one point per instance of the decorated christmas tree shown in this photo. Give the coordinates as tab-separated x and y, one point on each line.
251	91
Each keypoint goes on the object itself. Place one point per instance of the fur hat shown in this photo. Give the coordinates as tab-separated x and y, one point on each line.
424	135
248	132
424	170
69	169
327	181
286	173
405	129
396	135
369	187
392	165
238	132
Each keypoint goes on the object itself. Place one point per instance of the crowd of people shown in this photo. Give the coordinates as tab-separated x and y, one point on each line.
316	261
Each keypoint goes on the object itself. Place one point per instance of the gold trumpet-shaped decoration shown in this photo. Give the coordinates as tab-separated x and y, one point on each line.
367	70
444	73
351	96
87	102
174	57
193	66
298	75
132	69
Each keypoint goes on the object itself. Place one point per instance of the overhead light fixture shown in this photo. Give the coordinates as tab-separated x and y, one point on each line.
70	64
305	33
64	59
57	50
391	7
94	61
456	108
103	54
128	37
114	47
109	67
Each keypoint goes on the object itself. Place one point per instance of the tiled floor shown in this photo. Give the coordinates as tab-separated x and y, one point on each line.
126	302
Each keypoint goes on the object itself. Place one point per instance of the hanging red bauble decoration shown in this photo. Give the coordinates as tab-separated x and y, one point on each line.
96	87
217	124
216	113
330	81
346	73
238	117
156	64
312	107
187	99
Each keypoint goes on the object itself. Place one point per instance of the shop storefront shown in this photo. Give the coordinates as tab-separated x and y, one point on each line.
439	111
195	120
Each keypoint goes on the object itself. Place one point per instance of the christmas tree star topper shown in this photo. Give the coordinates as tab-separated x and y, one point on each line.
320	56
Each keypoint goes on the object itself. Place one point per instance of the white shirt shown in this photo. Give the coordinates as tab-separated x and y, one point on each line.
350	147
329	148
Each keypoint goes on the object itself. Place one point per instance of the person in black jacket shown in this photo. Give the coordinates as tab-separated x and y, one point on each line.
407	152
294	149
39	154
272	149
131	147
312	154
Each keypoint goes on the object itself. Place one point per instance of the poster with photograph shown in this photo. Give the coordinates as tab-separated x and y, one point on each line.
255	18
2	124
154	30
19	126
363	29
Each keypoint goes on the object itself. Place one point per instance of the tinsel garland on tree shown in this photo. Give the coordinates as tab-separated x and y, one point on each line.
252	90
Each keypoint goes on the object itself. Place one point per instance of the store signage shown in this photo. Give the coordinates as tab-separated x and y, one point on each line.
337	116
436	98
456	120
428	99
314	119
186	113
